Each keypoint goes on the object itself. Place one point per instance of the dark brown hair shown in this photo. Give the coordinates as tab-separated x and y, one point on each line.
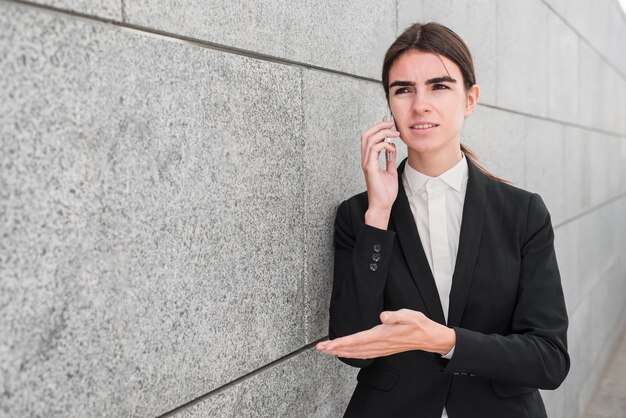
437	39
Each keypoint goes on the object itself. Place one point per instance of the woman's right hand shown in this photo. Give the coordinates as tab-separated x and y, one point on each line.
382	185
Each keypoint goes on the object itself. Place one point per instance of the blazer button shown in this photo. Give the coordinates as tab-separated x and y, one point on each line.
376	257
373	266
377	247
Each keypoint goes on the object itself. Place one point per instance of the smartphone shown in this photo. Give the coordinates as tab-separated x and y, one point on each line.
388	140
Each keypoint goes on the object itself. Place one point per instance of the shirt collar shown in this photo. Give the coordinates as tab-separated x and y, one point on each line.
454	177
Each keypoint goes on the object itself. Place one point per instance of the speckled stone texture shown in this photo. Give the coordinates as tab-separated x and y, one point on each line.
167	210
337	109
152	218
350	36
109	9
311	385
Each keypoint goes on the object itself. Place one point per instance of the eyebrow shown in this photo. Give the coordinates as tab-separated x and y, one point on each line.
444	79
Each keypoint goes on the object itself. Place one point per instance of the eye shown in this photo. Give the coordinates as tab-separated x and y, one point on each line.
402	90
439	86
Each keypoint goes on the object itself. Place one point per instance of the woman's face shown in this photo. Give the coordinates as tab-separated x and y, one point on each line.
428	101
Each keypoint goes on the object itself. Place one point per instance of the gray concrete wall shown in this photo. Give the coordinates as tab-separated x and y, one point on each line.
170	174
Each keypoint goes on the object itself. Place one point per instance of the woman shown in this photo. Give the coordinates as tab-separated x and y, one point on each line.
446	287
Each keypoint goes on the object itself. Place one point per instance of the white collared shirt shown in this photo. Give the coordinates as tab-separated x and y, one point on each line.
415	185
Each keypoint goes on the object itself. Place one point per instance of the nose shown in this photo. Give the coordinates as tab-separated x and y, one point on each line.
421	103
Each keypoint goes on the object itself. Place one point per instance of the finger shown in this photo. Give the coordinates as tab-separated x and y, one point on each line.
375	137
395	317
388	317
374	152
368	352
347	341
356	349
357	339
321	345
377	127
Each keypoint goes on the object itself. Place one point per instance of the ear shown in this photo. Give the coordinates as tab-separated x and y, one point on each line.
472	99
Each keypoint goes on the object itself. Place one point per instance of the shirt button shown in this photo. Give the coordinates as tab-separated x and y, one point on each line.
373	266
377	247
376	257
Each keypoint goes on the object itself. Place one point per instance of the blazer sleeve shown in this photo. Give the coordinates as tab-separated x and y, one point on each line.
534	354
361	266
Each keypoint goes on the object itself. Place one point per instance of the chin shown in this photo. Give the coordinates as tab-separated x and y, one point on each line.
424	145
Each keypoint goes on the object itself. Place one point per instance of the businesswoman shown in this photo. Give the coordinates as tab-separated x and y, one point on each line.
446	289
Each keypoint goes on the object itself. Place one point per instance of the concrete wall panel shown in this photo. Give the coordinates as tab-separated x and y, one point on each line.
498	137
617	33
590	104
599	172
522	51
544	164
333	173
577	187
167	207
562	71
152	220
345	36
108	9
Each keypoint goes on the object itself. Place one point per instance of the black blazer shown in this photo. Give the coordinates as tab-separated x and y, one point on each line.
506	306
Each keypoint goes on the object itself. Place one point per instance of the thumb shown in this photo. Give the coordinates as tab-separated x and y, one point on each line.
390	317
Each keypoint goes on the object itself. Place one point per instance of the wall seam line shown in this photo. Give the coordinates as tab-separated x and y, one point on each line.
616	260
262	57
547	119
189	40
602	57
238	380
591	210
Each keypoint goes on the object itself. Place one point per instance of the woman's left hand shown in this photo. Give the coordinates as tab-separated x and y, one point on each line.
401	330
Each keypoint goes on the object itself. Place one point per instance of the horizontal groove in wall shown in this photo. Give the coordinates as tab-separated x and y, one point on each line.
188	40
255	55
547	119
310	345
168	36
600	279
240	379
591	210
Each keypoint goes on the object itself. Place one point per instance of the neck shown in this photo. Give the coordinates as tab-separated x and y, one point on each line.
434	164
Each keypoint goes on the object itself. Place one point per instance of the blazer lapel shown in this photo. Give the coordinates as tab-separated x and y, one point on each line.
411	245
469	242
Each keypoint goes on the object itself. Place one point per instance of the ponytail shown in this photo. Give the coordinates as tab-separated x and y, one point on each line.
470	154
